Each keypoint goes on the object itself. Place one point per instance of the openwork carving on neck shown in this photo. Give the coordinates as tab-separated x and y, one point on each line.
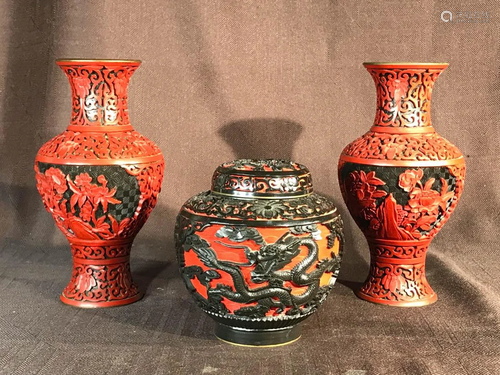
99	93
404	96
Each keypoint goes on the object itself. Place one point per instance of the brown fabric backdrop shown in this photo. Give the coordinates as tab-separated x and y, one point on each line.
226	79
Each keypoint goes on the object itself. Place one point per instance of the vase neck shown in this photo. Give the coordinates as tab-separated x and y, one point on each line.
404	95
99	91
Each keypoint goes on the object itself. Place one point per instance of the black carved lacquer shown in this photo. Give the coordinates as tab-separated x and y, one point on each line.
260	251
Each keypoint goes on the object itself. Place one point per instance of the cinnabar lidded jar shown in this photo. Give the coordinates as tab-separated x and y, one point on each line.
260	251
401	182
100	180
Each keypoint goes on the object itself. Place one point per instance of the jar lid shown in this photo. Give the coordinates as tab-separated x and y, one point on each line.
268	178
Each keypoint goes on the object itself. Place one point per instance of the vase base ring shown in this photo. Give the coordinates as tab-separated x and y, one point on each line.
414	303
93	305
255	337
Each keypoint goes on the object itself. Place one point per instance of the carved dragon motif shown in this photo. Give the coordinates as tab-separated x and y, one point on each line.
268	263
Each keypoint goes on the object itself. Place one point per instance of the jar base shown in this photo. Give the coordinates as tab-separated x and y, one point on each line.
257	337
93	305
420	302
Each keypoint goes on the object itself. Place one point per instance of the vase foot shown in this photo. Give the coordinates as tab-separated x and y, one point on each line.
428	300
256	337
93	305
397	274
101	275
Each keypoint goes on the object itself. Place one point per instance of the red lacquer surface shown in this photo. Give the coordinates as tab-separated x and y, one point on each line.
77	177
401	181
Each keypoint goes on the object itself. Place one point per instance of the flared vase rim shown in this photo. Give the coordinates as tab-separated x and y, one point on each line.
388	64
72	61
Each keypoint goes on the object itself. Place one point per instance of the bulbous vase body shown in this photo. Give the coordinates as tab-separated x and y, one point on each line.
100	180
401	182
260	251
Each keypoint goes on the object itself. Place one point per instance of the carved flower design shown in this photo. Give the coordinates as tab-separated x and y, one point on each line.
390	149
392	282
53	180
398	87
268	209
83	190
102	195
287	184
395	279
386	218
422	209
363	187
83	180
86	211
81	85
85	281
51	185
56	176
124	280
120	84
426	200
120	229
66	148
408	180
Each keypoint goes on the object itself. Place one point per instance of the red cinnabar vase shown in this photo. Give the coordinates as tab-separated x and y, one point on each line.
260	251
401	181
100	180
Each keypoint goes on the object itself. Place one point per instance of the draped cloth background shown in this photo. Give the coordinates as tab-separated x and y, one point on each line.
226	79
